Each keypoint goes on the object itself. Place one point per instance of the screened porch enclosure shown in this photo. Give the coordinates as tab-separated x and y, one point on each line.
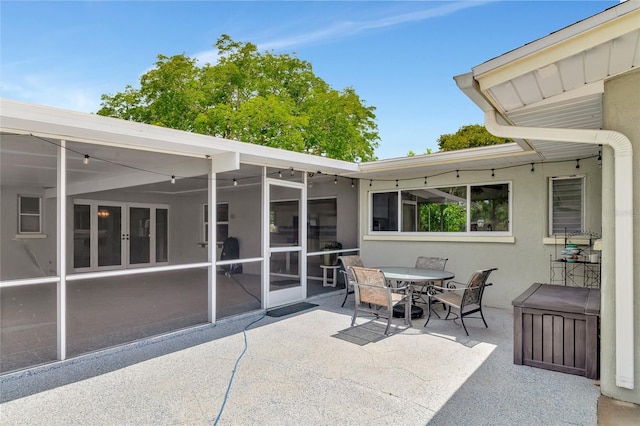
136	230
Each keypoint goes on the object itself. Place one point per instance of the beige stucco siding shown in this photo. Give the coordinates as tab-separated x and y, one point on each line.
621	107
521	262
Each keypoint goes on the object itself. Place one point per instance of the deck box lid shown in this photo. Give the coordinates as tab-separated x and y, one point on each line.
560	298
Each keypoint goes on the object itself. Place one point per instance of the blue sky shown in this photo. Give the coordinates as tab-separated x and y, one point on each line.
400	57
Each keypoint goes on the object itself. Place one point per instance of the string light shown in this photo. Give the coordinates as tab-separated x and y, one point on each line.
353	183
492	173
280	175
335	179
86	158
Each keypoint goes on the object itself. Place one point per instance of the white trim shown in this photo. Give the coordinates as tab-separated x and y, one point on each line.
583	201
623	221
61	255
28	281
30	236
444	238
21	214
135	271
212	195
467	232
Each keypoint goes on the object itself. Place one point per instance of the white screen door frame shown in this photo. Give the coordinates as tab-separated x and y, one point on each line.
285	266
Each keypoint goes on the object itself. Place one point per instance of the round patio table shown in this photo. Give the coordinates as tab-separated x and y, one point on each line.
413	276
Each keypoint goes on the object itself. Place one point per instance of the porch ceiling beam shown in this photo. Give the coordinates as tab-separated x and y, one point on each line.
226	162
185	169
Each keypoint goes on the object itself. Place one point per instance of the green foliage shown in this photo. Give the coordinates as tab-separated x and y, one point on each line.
469	136
446	217
268	99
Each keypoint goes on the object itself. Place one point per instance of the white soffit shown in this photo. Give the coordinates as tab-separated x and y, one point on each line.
562	67
56	124
419	166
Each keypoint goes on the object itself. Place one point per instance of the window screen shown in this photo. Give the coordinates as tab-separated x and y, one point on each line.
567	205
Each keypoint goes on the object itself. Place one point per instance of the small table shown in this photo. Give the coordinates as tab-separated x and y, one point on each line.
414	276
329	281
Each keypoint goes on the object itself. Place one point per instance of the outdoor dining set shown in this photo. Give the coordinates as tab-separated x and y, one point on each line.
389	291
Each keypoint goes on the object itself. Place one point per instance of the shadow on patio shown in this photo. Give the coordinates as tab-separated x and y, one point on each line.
300	369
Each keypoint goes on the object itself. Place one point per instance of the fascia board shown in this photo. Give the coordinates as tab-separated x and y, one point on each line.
56	123
448	157
562	44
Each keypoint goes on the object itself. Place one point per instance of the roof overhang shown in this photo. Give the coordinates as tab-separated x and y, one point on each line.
20	118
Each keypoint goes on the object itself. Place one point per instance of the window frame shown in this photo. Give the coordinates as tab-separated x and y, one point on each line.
583	202
205	221
467	232
21	215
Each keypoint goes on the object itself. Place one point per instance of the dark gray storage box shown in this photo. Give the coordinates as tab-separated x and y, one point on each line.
557	328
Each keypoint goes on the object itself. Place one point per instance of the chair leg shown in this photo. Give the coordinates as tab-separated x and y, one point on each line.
346	294
355	314
482	316
463	326
429	314
448	312
386	330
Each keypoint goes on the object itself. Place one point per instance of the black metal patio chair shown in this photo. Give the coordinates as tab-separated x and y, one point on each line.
466	299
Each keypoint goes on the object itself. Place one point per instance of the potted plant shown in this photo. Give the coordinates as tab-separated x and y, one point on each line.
331	259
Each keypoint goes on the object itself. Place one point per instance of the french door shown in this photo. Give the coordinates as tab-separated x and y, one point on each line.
111	235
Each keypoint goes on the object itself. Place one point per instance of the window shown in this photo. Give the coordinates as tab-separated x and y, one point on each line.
385	211
29	215
566	205
222	224
464	208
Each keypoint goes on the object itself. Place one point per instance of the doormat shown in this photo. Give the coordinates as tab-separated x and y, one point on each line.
291	309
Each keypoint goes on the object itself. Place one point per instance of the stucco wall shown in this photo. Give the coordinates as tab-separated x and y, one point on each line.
622	114
15	260
520	263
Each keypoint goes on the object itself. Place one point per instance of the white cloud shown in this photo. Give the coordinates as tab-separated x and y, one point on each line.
348	28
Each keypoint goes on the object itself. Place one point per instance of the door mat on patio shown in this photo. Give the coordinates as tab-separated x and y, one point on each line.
291	309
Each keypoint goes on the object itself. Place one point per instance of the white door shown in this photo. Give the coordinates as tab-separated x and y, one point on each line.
286	267
109	235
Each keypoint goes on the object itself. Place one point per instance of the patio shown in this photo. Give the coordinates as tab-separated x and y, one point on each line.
306	368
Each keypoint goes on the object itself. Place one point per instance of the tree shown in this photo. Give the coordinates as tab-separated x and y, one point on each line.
264	98
469	136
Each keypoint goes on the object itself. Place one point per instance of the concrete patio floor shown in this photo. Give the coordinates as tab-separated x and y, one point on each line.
306	368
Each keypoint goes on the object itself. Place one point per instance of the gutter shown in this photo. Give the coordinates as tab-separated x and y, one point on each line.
623	221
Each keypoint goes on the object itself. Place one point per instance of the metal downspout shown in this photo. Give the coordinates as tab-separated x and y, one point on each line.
623	180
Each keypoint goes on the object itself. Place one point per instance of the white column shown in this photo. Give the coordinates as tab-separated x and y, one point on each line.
211	246
61	258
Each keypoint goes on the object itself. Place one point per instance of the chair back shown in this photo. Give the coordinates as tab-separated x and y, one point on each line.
346	262
475	287
425	262
370	286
